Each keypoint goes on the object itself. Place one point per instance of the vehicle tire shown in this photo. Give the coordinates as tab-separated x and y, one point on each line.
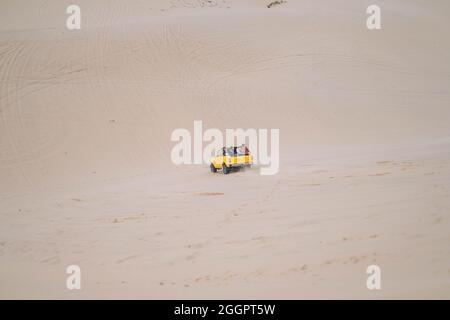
213	169
225	169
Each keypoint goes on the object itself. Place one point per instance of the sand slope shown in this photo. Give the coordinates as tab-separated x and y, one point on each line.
85	171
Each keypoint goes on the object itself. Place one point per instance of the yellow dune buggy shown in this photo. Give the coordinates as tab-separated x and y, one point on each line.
230	158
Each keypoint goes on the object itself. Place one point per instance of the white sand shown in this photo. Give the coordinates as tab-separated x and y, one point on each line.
85	170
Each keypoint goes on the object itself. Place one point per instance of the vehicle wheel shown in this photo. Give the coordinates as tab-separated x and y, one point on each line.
225	169
213	169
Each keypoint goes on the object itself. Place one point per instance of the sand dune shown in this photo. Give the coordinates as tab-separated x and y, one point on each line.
85	170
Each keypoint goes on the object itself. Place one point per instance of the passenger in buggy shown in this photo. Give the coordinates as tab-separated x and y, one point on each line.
243	149
234	151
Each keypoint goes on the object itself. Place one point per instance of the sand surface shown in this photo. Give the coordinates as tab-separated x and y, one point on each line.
85	170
